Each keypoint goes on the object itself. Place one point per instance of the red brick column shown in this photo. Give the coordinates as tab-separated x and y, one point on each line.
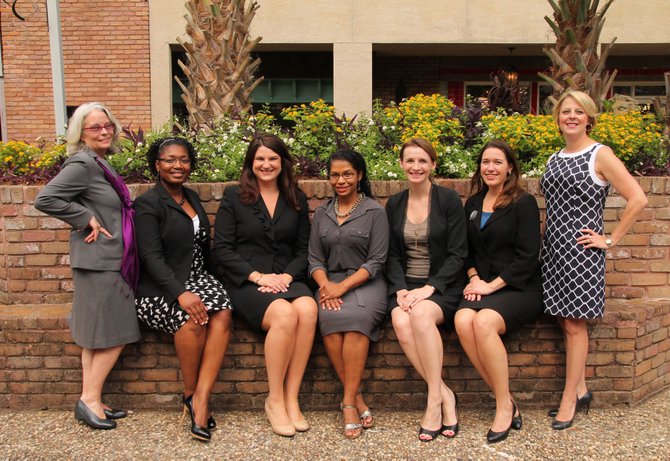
105	57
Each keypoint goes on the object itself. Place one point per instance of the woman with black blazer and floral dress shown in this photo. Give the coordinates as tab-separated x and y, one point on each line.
178	293
261	238
504	290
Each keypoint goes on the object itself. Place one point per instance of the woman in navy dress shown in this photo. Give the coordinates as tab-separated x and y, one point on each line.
575	185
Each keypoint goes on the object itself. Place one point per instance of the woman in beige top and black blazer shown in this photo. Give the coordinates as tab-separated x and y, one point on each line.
428	245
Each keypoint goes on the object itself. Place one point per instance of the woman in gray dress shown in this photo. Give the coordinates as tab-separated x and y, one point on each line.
91	197
347	251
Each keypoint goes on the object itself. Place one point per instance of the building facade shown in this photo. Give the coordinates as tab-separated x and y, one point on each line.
124	53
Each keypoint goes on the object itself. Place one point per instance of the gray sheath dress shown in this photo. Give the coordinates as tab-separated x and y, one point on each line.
359	242
103	310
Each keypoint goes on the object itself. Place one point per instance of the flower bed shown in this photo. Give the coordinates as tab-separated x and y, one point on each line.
313	132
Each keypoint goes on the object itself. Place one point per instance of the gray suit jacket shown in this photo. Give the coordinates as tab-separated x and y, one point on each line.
79	192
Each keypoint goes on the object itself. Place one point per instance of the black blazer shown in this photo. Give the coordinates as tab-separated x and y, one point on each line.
165	242
508	245
246	239
447	241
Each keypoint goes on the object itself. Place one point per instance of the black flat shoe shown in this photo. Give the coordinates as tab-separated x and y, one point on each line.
495	437
433	434
115	414
197	432
583	402
83	413
453	428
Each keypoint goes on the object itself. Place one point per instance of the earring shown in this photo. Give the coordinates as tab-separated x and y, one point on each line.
589	127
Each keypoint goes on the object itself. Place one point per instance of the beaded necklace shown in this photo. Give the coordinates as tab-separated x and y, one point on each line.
359	199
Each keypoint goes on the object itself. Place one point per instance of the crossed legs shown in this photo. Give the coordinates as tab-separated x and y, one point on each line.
96	365
201	350
421	342
290	329
348	352
479	333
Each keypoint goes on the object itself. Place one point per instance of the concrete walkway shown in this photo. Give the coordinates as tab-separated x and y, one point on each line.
640	433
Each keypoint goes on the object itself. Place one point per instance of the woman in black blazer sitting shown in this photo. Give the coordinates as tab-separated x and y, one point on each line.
261	237
425	271
504	290
177	293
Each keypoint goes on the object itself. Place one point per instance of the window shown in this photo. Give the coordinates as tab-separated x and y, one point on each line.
644	92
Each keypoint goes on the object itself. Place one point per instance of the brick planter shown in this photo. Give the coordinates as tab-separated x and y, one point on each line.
629	360
39	364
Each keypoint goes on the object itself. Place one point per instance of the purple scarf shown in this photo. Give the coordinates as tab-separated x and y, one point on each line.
130	262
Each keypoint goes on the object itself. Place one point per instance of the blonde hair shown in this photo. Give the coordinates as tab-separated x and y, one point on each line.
583	99
76	126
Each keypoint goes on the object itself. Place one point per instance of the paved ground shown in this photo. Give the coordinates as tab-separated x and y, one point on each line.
640	433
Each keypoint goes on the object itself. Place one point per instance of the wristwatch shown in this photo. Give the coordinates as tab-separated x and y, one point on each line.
609	243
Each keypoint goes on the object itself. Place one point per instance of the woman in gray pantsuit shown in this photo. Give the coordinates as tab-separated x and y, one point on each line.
347	251
90	196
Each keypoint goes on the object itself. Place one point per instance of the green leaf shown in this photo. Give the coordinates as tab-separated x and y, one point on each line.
554	27
582	12
565	10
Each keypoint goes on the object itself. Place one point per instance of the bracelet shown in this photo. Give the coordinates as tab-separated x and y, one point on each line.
258	279
473	275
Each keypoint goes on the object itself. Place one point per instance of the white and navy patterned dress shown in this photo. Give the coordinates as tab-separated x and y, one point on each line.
573	278
169	318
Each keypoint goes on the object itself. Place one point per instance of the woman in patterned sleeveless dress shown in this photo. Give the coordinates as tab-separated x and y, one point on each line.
178	293
575	185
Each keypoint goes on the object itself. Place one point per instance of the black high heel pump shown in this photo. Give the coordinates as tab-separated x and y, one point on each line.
83	413
583	403
560	425
197	432
495	437
453	427
211	422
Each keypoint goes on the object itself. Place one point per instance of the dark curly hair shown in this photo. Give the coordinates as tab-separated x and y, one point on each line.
158	146
358	162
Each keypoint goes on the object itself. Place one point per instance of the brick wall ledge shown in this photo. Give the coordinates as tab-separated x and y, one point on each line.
629	360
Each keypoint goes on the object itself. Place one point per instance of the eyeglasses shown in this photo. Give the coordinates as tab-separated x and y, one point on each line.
98	128
346	175
172	161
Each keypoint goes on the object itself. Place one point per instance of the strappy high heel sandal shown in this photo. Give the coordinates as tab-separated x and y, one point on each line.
351	430
365	414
